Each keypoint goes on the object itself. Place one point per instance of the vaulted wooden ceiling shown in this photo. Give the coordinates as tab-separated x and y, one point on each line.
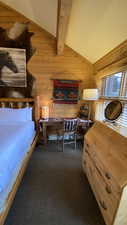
95	27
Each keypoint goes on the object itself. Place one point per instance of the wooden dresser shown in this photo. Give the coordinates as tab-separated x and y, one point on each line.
105	163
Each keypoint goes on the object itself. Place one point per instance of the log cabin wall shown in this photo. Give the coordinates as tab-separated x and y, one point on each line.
46	65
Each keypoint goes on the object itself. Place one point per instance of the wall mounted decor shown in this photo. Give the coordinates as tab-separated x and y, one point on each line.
66	91
12	67
17	37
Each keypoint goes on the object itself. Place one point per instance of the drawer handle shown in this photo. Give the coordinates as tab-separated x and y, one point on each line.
84	162
108	189
87	145
86	151
108	176
102	203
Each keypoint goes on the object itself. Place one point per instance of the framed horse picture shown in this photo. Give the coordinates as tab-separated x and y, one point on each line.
12	67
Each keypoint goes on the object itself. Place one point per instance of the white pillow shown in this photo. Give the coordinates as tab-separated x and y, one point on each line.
9	114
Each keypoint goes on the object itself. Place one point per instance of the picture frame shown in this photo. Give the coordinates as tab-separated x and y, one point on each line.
12	67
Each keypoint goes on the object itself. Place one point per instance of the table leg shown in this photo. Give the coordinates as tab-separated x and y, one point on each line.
45	133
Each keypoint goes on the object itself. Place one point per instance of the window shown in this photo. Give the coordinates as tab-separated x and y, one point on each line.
100	108
122	120
114	85
124	92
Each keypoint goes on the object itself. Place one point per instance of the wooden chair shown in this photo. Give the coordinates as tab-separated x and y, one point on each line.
56	129
70	129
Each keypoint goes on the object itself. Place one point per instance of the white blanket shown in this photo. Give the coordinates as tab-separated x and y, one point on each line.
15	140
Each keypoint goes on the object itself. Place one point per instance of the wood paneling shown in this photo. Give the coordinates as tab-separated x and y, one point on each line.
46	65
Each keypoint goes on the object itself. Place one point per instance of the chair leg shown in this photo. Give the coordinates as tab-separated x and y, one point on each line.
57	139
75	139
63	143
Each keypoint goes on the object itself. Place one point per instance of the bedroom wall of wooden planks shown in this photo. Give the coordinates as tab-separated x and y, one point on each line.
46	65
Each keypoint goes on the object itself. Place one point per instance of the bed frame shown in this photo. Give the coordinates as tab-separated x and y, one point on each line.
20	103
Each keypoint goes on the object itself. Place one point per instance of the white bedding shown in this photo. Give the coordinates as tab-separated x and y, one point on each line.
15	140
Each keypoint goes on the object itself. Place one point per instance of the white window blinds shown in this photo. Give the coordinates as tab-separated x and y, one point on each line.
122	120
99	113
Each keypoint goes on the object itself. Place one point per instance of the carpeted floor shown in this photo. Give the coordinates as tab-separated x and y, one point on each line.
54	191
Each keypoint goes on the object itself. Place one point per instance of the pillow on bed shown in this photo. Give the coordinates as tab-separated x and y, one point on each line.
8	114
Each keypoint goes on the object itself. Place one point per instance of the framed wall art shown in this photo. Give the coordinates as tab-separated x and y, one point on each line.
66	91
12	67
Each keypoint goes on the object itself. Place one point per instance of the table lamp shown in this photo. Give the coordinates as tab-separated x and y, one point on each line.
90	95
45	112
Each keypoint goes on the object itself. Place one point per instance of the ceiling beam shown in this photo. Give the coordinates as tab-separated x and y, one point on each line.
64	9
115	55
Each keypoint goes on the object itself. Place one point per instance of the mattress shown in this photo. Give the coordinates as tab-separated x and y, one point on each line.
15	140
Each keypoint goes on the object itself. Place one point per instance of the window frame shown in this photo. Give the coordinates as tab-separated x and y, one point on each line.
123	87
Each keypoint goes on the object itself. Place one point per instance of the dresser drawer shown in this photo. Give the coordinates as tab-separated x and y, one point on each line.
103	171
106	200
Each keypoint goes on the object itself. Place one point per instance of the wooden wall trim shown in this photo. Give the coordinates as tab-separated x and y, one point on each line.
114	56
115	67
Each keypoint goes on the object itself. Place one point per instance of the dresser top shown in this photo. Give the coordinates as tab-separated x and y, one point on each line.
120	129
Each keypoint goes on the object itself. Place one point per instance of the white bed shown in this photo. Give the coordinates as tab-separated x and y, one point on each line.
17	141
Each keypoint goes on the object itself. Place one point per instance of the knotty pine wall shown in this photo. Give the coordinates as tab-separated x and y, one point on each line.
46	65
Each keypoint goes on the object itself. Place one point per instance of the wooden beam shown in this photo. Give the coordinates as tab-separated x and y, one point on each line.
114	56
64	9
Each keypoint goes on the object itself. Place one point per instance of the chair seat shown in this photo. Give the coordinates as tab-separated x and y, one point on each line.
69	132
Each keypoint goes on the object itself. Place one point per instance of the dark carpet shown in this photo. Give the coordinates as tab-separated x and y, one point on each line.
54	191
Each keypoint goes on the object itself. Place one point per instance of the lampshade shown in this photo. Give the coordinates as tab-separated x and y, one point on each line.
90	94
45	112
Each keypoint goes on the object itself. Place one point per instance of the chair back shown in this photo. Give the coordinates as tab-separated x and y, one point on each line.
70	125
